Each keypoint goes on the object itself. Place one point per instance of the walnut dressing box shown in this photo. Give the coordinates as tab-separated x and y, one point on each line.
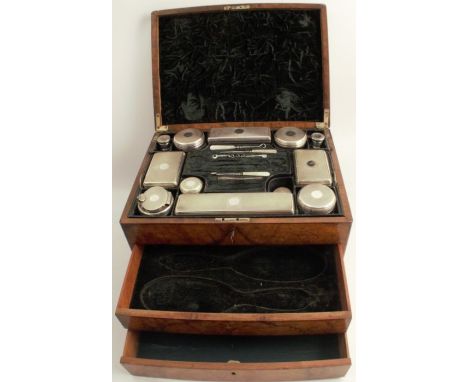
229	296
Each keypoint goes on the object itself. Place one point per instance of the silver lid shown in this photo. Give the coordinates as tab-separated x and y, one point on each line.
189	139
317	139
290	137
191	185
282	189
316	199
155	201
163	139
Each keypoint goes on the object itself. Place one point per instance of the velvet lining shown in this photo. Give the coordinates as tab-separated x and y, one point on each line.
237	279
261	65
200	163
245	349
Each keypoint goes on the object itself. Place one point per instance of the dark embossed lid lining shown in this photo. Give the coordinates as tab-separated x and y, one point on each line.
259	65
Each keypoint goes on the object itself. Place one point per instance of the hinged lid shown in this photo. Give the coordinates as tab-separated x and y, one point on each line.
241	65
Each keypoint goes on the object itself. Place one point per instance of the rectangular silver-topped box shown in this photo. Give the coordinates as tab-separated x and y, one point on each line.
236	203
240	134
164	169
312	167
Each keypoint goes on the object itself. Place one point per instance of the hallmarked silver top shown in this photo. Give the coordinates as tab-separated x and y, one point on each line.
189	139
164	169
311	166
236	203
191	185
317	139
240	134
155	201
316	199
163	139
290	137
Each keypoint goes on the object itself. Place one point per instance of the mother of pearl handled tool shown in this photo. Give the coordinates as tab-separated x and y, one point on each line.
245	173
258	151
236	156
233	147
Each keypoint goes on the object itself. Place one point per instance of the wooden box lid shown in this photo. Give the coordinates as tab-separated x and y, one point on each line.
241	65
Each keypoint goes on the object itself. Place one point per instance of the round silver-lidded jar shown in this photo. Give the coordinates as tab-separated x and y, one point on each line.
316	199
317	140
164	142
189	139
191	185
290	137
155	201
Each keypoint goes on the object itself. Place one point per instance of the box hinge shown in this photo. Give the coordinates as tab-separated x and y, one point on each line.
236	7
228	220
326	120
160	128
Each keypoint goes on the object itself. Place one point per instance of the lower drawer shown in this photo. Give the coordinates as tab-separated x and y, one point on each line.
274	290
236	358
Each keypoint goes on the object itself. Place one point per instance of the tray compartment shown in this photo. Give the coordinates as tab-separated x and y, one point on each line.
231	358
235	290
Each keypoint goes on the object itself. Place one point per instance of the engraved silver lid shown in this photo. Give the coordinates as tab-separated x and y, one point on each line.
155	201
191	185
189	139
290	137
316	199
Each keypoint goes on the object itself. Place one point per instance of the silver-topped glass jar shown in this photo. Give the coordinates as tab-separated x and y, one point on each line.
155	201
191	185
316	199
189	139
290	137
317	140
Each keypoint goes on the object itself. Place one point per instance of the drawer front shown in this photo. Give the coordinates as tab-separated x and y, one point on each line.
214	232
261	324
214	358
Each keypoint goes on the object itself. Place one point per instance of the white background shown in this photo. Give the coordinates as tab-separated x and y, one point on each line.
133	124
410	305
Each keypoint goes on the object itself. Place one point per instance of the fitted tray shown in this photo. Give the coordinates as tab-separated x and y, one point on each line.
238	290
204	230
235	358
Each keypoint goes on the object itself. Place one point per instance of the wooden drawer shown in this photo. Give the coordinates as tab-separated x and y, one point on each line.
318	321
234	358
